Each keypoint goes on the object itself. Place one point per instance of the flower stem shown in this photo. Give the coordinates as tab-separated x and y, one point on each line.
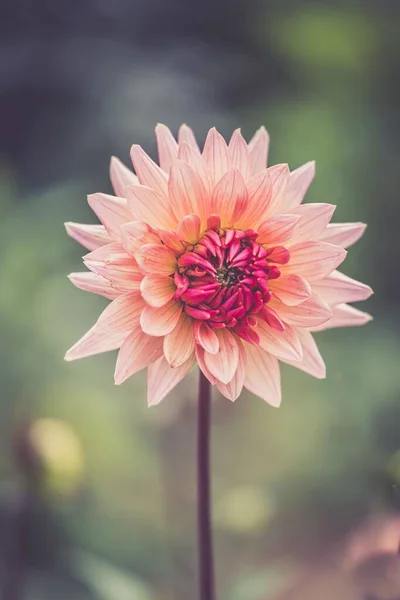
206	565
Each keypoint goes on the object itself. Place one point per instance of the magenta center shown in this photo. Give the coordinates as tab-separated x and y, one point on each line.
223	280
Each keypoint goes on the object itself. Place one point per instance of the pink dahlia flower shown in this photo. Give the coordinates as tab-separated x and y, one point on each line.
211	258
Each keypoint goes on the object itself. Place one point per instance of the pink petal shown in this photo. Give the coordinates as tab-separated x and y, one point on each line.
233	389
186	135
196	161
314	260
135	235
113	212
206	337
95	342
137	352
202	365
89	236
215	154
230	197
344	315
279	177
172	240
160	321
161	379
239	154
263	375
291	289
343	234
148	172
91	282
338	288
189	229
313	221
223	365
122	314
121	176
104	252
167	147
312	362
148	206
259	193
186	191
157	290
179	344
258	151
309	313
281	344
299	182
277	229
156	259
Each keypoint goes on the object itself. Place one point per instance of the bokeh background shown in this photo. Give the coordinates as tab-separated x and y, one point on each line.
302	495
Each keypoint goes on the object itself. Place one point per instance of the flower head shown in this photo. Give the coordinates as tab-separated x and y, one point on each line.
211	258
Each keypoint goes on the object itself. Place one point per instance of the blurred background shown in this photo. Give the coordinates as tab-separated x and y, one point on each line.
307	497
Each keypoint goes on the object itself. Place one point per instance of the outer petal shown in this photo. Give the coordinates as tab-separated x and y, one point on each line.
148	172
137	352
195	160
135	235
310	313
121	176
259	193
312	362
95	342
338	288
179	344
233	389
277	229
279	175
291	289
157	290
299	182
263	375
186	191
230	197
89	236
186	135
223	365
167	147
239	154
281	344
113	212
161	379
122	272
258	151
156	259
314	260
215	153
313	221
91	282
343	234
149	206
160	321
344	315
122	314
206	337
202	365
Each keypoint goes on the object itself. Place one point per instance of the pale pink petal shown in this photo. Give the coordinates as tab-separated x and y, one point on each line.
263	375
179	344
239	154
148	172
189	228
122	272
91	282
313	221
312	361
157	290
279	177
291	289
122	314
259	198
309	313
89	236
137	352
230	197
314	260
338	288
160	321
195	160
157	259
186	135
215	154
343	234
206	337
161	379
277	229
186	191
172	240
103	252
233	389
223	365
167	147
113	212
202	365
95	342
149	206
344	315
258	151
121	176
299	182
136	234
282	344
